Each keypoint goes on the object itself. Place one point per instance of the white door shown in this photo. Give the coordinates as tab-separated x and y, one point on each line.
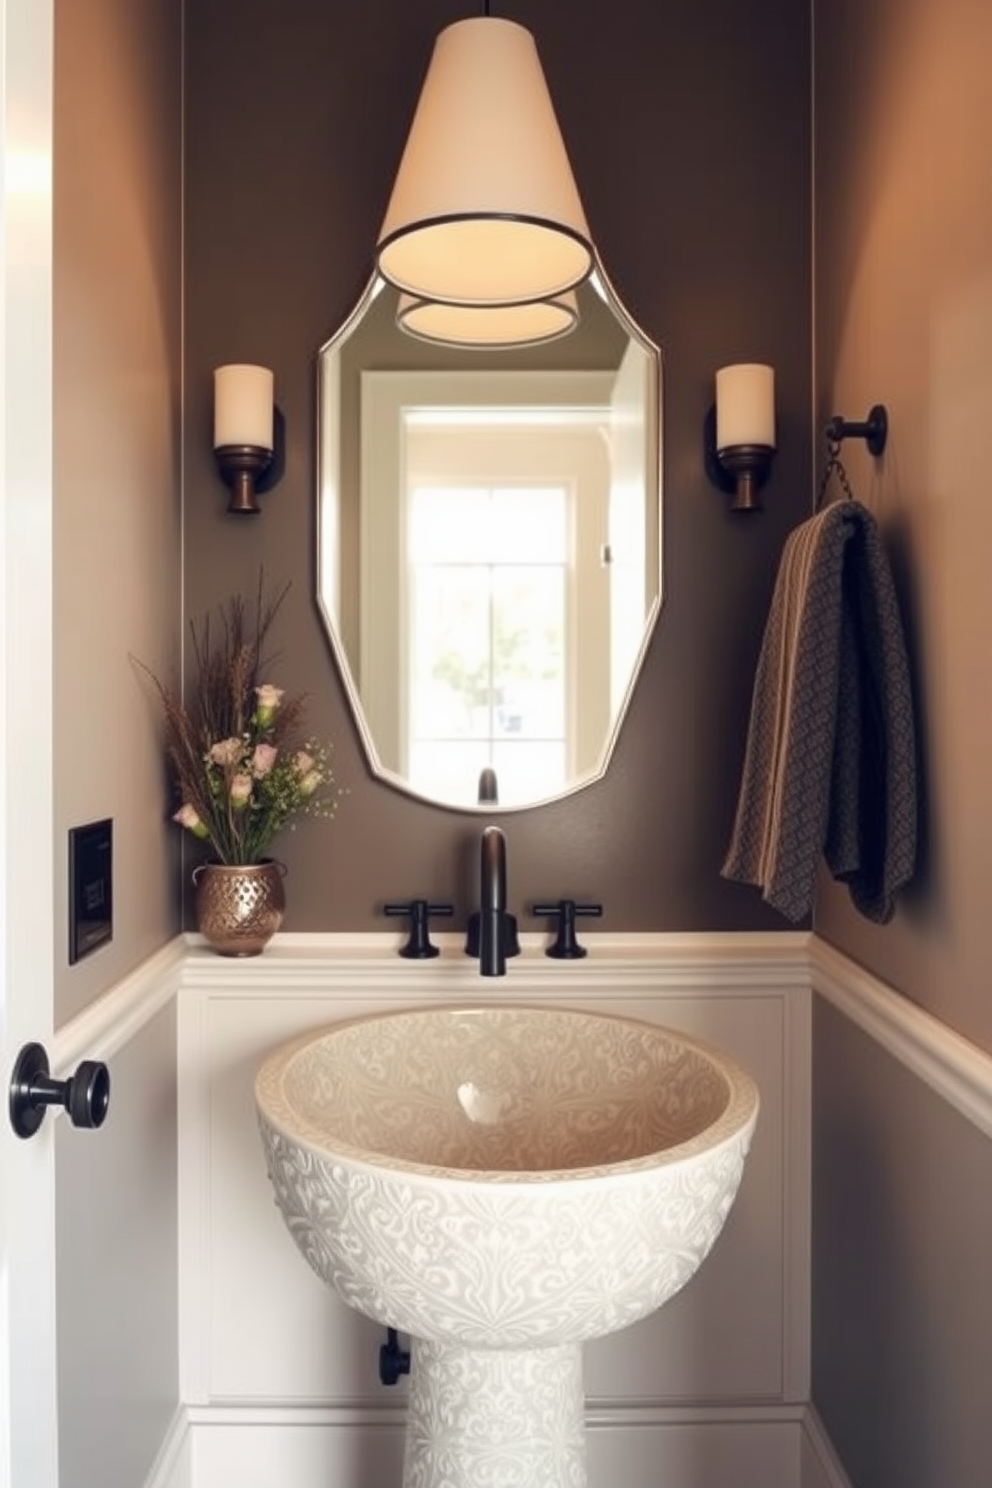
28	1423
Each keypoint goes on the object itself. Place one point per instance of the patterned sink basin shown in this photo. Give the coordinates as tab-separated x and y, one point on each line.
504	1176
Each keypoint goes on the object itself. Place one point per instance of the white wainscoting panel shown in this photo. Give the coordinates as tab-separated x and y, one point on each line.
116	1235
261	1335
279	1384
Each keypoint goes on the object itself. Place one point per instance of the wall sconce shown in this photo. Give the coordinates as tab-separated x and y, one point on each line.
484	210
740	432
488	327
249	444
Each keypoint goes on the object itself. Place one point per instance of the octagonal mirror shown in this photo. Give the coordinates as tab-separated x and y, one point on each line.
489	546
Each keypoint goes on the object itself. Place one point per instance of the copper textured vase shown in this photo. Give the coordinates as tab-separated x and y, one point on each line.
239	907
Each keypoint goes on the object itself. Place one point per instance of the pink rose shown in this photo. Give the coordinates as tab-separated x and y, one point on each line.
226	753
263	759
269	698
187	817
241	790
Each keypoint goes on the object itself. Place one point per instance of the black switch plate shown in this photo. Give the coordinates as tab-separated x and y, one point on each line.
91	898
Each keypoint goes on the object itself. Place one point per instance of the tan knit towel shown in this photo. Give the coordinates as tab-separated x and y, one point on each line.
830	763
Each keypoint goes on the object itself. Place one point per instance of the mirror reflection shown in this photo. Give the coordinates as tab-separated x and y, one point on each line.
489	561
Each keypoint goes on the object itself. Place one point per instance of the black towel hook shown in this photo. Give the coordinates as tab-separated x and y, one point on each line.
874	430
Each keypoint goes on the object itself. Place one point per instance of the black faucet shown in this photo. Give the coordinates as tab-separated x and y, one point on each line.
492	903
492	930
488	788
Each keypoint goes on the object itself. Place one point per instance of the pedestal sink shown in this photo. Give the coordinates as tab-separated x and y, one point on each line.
502	1183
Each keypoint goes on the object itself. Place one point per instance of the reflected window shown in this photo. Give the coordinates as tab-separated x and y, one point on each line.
488	675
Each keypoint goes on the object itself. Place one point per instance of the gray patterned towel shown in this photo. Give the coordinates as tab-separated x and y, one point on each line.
830	763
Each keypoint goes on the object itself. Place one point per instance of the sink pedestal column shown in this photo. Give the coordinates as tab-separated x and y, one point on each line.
512	1417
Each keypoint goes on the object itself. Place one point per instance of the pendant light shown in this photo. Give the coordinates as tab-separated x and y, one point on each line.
488	327
484	210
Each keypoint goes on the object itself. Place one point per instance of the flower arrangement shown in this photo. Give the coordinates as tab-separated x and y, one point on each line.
242	770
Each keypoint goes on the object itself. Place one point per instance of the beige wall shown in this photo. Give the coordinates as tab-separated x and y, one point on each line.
904	317
902	1323
117	225
117	591
693	161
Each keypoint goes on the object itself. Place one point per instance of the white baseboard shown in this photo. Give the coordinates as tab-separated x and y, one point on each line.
711	1447
173	1468
272	1447
819	1465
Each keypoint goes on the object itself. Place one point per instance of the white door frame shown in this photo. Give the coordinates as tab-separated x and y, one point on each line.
28	1410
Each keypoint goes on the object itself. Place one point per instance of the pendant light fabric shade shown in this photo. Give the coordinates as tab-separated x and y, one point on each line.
485	210
488	327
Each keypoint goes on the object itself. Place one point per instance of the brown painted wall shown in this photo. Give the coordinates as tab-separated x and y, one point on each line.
687	125
904	316
117	507
902	1322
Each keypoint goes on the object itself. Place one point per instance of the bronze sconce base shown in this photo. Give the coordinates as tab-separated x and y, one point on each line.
249	470
740	470
240	466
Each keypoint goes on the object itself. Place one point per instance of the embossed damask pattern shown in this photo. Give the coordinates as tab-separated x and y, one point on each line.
499	1265
616	1148
500	1419
496	1089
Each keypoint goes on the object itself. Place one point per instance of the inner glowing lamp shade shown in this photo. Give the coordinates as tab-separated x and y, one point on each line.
485	210
488	327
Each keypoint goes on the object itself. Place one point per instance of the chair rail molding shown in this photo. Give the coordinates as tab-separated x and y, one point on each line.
953	1067
111	1021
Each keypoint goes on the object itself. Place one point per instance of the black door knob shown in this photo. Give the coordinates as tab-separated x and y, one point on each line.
85	1095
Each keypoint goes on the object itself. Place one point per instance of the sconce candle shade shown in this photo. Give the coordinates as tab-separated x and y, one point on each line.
745	406
244	431
488	327
485	210
244	398
740	439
